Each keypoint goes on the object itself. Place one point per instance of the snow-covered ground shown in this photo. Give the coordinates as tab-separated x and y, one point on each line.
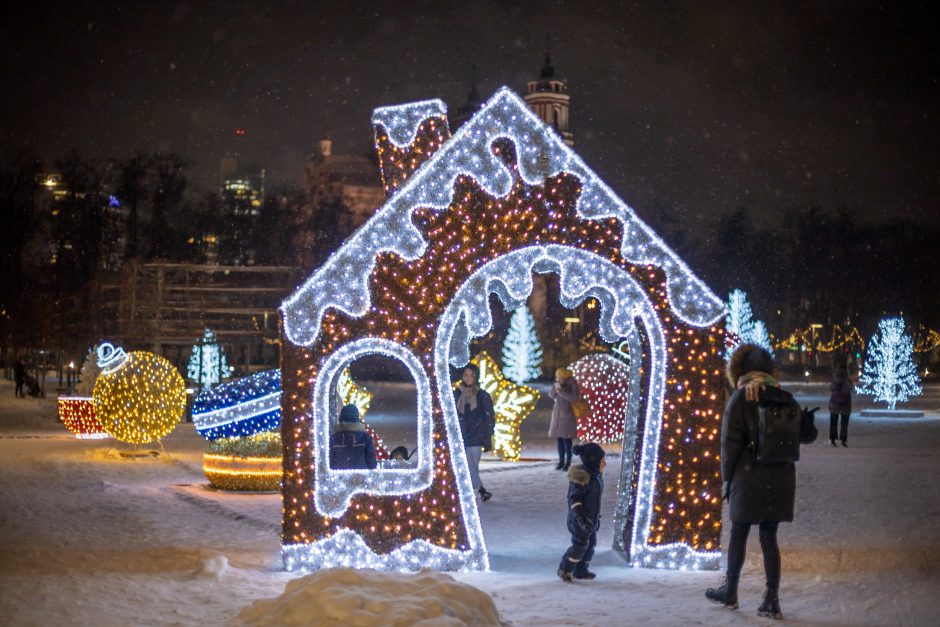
90	538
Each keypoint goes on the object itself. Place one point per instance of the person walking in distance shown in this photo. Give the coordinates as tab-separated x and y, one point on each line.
564	425
757	470
840	405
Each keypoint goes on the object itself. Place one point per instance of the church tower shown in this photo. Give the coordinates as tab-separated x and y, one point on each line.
548	97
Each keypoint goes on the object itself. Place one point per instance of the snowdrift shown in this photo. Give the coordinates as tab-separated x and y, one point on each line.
346	596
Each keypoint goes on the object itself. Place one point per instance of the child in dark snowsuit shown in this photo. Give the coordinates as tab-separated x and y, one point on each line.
585	486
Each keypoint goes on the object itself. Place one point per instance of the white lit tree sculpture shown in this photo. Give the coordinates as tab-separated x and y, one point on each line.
741	325
207	363
522	352
889	374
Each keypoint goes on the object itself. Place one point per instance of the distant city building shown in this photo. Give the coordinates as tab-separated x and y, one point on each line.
354	180
548	97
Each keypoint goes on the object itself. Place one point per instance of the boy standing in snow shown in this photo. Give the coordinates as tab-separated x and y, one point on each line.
585	486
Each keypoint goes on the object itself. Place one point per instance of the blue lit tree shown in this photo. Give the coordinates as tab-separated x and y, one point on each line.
522	352
207	363
890	374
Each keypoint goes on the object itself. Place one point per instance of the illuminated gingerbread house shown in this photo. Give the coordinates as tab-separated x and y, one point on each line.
470	215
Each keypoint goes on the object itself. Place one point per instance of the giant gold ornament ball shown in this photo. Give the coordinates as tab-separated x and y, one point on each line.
141	400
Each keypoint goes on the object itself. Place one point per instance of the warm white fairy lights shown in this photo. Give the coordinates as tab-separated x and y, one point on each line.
342	284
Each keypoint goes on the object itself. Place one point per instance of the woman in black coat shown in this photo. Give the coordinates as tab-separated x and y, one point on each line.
477	423
758	493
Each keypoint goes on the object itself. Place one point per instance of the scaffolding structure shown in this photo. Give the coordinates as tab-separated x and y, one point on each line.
166	307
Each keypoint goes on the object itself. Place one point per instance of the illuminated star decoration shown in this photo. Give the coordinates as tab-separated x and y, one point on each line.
512	403
604	383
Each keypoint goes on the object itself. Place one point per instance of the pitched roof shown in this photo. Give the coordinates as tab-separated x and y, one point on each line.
342	282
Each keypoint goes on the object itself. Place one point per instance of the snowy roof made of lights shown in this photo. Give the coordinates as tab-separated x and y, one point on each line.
342	282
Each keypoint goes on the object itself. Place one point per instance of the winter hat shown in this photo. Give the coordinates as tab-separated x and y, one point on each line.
563	374
349	413
591	455
749	358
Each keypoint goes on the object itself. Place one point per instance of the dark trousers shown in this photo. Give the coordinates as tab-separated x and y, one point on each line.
834	423
579	554
19	389
564	451
768	544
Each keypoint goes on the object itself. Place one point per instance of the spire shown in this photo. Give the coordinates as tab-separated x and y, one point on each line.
473	96
547	70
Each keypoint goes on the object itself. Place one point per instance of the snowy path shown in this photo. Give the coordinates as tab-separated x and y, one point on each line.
87	538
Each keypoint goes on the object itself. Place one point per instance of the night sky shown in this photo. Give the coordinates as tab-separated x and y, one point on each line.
703	107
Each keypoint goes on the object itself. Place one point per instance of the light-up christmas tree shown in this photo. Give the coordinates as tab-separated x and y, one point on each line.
88	374
207	363
761	337
889	374
522	352
741	325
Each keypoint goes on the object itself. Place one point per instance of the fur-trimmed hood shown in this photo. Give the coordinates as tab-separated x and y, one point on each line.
579	474
350	426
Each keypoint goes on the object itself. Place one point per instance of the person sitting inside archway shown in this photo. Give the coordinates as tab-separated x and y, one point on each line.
351	446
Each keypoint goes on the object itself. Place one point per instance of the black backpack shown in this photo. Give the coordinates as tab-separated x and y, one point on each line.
781	426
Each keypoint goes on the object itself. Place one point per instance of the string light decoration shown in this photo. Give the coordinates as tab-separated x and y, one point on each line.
248	464
925	339
139	397
890	374
810	339
503	198
77	413
512	403
522	352
207	362
604	382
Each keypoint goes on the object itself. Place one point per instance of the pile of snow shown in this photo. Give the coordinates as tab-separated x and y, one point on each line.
346	596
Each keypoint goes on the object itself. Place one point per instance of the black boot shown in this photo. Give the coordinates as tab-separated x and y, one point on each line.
726	593
566	567
484	494
559	465
832	443
770	608
581	571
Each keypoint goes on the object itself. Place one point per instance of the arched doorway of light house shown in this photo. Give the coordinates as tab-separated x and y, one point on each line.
523	530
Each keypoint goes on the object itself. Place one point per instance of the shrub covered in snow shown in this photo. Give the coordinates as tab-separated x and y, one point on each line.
345	596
